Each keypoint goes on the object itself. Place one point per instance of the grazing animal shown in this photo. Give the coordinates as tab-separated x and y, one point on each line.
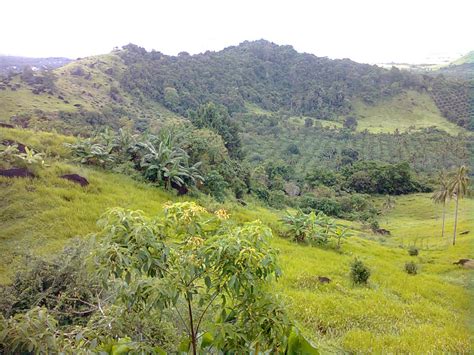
76	178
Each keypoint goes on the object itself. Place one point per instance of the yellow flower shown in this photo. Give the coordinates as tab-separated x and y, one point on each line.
222	214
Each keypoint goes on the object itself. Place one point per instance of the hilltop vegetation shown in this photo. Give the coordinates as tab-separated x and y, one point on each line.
134	87
275	78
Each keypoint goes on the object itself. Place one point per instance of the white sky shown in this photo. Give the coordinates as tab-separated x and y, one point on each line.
364	30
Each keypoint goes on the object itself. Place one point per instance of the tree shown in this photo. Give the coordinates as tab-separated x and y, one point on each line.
458	188
216	118
350	123
209	273
442	195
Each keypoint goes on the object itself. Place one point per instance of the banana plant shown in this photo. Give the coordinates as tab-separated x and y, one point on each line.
30	157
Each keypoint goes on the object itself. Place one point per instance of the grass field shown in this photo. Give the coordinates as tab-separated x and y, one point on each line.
410	110
395	312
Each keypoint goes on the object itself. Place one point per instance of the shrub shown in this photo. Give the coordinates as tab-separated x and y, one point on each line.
316	229
413	251
360	273
411	268
328	206
276	199
372	223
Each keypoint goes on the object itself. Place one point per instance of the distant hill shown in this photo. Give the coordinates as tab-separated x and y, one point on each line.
15	64
466	59
138	88
277	78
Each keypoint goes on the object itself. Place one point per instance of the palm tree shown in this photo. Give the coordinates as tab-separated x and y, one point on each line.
442	195
458	187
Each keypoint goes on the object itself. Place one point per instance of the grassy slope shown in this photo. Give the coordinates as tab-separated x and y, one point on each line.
468	58
395	312
408	110
91	91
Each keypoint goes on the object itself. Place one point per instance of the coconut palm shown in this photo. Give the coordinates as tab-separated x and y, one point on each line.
442	195
458	188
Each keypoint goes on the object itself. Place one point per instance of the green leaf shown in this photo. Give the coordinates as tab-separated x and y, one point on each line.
206	340
297	344
208	282
160	351
184	345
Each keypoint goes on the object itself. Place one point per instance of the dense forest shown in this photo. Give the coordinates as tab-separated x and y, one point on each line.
277	78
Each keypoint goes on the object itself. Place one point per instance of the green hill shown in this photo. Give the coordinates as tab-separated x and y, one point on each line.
138	88
395	313
251	132
466	59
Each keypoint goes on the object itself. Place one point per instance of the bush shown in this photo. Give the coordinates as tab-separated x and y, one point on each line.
277	199
360	273
328	206
413	251
411	268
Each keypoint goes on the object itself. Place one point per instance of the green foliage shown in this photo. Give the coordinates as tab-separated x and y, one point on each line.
159	159
212	273
61	285
216	185
216	118
373	177
33	331
411	268
313	228
270	76
11	156
321	176
188	277
360	273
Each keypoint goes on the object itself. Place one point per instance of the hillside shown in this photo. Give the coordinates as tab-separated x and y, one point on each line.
136	88
466	59
276	78
396	312
254	199
76	98
15	64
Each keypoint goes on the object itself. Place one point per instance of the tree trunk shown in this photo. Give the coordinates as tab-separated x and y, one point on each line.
191	325
444	218
456	219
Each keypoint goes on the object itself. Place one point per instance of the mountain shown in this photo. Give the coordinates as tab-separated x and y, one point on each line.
15	64
275	78
137	84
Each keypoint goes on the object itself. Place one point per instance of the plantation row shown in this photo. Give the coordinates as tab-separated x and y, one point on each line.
313	146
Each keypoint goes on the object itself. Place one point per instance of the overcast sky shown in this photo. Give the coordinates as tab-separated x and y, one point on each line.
363	30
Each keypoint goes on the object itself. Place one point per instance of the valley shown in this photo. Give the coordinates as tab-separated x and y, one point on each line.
337	161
